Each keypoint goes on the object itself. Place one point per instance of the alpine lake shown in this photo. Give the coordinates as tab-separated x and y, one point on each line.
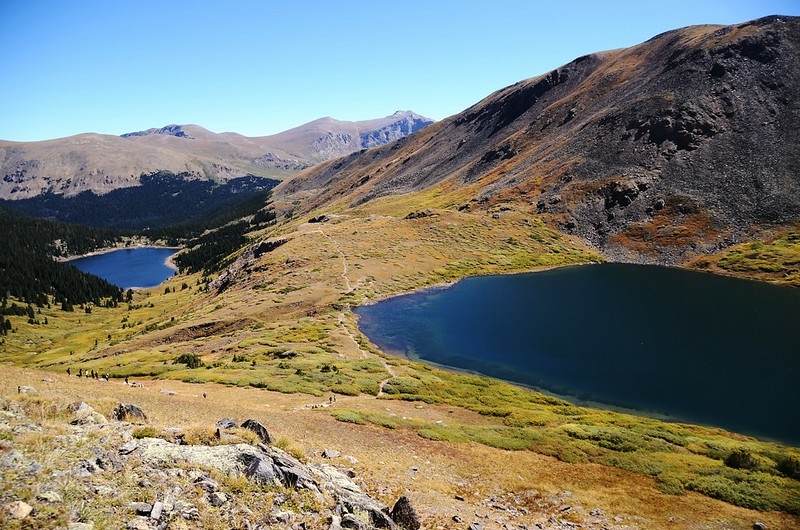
664	342
139	267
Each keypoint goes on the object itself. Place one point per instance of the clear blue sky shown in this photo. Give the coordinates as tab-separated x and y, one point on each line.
260	67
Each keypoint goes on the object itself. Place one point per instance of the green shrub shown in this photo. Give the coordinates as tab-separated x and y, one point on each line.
790	467
670	484
145	432
741	459
349	416
191	360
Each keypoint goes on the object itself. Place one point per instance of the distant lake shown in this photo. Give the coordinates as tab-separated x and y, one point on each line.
690	346
129	267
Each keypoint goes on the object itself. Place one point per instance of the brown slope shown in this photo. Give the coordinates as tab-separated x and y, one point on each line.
685	143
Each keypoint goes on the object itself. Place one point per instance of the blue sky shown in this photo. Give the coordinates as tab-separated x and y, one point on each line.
260	67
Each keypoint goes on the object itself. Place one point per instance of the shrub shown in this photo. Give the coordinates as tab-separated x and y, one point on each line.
191	360
349	416
790	467
145	432
669	484
741	459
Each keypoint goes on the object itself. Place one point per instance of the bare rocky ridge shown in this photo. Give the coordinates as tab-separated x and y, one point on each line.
102	163
684	144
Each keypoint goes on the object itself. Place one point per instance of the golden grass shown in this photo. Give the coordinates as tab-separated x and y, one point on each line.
387	457
286	326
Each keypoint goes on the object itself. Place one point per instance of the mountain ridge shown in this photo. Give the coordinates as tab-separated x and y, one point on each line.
101	163
655	153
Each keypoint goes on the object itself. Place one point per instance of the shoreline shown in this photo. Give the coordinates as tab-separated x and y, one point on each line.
108	250
574	399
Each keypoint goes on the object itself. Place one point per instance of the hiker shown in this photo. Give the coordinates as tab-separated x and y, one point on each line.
80	372
204	395
126	379
69	372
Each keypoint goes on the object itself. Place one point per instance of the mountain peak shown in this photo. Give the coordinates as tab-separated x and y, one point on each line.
168	130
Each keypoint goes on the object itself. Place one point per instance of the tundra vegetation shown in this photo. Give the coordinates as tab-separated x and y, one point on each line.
282	323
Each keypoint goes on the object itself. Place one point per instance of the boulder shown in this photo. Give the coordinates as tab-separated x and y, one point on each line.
217	498
128	412
330	453
404	514
18	509
141	508
259	429
24	389
49	496
226	424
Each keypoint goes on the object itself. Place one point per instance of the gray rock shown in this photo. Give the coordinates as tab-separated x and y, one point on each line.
79	406
476	526
128	412
353	523
20	463
758	525
226	424
217	498
139	523
24	389
85	468
104	491
83	414
187	511
208	484
283	516
128	447
158	508
81	526
330	453
353	460
259	429
49	496
141	508
404	514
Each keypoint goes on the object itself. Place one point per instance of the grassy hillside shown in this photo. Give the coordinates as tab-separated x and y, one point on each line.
281	322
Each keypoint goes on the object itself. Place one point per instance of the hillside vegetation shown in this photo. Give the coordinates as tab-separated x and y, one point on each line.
494	190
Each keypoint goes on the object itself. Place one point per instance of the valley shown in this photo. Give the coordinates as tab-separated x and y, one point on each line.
642	155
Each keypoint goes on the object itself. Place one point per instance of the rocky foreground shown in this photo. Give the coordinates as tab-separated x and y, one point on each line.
65	465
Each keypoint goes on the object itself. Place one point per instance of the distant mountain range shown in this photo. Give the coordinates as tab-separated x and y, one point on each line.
684	144
103	163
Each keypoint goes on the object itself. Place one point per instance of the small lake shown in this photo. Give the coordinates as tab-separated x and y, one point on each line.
682	345
129	267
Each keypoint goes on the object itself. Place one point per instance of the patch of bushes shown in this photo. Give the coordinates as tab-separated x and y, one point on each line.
145	432
349	416
790	467
741	459
191	360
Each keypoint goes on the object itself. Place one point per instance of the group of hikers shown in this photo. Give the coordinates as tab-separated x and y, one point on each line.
92	374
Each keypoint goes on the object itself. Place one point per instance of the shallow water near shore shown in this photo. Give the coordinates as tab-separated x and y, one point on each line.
684	345
127	268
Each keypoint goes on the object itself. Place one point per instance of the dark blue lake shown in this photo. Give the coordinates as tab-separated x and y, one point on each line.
668	342
129	267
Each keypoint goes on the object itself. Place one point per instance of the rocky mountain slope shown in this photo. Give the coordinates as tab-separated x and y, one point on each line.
684	144
102	163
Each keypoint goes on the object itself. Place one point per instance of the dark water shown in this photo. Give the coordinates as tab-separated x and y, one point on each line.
129	267
689	346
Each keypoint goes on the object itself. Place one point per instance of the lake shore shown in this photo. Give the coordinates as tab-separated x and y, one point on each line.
99	252
546	370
